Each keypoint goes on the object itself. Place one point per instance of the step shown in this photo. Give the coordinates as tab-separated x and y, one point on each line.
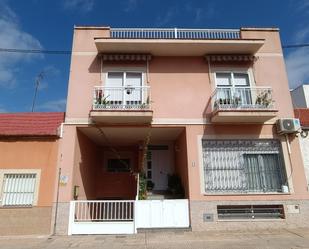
168	229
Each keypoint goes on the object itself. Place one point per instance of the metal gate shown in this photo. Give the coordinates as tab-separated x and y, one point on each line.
124	217
162	214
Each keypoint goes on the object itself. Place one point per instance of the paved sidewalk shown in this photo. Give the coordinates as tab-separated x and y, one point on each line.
281	239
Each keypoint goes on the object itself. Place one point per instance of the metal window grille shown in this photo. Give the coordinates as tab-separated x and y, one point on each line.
232	212
18	189
243	166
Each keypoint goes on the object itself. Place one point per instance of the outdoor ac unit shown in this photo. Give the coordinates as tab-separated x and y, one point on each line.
288	125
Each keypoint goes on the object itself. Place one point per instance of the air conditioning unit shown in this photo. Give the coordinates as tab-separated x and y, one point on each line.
288	125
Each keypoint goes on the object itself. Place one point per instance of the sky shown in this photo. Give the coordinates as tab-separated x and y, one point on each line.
48	25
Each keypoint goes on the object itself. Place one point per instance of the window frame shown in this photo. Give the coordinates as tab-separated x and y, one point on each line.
37	172
232	72
124	71
120	159
287	168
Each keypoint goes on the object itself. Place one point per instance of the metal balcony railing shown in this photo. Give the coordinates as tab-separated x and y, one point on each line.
119	98
243	98
175	33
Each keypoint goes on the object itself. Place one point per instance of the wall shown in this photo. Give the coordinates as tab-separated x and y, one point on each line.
304	145
30	153
181	161
300	96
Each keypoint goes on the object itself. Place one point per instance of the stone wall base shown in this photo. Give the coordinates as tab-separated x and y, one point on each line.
292	220
25	221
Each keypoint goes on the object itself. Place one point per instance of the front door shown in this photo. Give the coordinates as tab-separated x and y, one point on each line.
159	166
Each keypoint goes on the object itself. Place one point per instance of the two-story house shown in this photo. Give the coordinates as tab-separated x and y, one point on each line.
186	111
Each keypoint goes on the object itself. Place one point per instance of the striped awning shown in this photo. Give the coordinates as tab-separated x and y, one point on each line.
126	57
230	58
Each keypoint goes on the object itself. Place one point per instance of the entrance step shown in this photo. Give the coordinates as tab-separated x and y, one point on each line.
159	230
161	195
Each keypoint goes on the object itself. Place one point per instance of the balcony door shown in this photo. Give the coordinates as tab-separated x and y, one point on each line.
233	88
124	88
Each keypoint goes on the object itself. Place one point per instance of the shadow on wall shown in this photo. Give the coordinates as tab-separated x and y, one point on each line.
86	156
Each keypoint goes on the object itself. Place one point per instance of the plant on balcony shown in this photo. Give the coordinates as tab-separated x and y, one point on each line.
227	101
101	99
264	99
145	105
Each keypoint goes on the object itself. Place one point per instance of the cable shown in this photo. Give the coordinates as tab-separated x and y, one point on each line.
296	45
34	51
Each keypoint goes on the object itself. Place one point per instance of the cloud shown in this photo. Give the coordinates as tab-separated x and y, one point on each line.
53	105
81	5
298	67
48	73
168	16
197	13
131	5
12	36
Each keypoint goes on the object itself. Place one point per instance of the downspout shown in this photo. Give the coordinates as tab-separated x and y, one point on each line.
57	201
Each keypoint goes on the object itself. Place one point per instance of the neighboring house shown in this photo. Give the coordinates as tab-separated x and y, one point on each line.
303	115
196	107
28	165
300	96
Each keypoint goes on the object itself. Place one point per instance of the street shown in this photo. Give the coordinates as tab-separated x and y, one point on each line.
281	239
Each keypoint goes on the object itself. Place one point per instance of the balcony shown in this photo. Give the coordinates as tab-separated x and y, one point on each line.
242	105
130	104
177	42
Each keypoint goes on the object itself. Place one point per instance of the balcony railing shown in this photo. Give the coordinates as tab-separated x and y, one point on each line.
119	98
191	34
242	98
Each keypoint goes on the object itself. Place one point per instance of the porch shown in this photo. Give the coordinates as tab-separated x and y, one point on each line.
117	172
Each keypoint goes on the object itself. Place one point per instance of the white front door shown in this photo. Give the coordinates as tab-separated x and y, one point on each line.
160	165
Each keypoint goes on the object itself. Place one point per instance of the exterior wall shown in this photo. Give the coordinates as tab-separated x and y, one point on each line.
30	153
304	145
292	220
187	83
201	203
300	96
185	80
181	161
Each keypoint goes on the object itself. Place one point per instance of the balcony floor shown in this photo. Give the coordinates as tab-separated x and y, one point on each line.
243	116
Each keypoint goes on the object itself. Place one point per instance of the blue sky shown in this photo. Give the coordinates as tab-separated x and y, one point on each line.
48	24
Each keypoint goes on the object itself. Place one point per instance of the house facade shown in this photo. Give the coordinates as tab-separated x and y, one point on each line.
28	172
190	113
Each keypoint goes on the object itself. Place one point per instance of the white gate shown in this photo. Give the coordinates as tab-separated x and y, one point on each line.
101	217
124	217
162	214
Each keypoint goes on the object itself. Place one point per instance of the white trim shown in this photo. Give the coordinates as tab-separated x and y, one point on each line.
22	171
285	155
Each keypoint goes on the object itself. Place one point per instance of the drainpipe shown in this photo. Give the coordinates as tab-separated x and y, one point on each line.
57	201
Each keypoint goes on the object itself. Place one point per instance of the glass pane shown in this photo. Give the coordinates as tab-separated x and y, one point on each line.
113	94
241	79
118	165
114	79
243	165
133	90
223	79
133	79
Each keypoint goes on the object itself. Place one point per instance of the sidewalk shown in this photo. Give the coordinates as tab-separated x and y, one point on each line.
281	239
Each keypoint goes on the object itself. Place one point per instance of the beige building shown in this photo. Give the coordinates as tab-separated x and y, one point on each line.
28	172
190	112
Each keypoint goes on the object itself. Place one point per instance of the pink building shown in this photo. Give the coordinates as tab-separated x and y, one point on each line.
195	112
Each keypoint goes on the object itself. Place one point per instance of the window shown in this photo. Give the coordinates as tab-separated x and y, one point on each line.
124	88
243	166
118	165
231	212
233	89
19	189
